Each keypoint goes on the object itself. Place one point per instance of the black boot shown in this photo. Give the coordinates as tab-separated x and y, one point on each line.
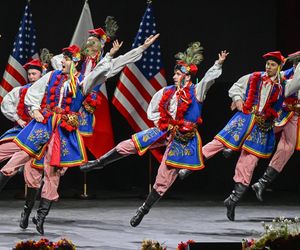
233	198
104	160
269	175
227	152
29	203
183	173
152	198
41	214
3	180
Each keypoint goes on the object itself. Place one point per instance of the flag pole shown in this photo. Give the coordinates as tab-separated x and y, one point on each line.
85	194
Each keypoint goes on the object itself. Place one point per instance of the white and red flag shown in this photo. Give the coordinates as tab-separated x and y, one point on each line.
102	139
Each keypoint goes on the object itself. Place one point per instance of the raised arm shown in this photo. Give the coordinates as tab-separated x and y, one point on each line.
109	67
210	76
98	75
130	57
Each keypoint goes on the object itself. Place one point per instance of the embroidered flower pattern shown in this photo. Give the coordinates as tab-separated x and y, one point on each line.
234	128
83	118
64	147
257	136
39	137
179	149
150	133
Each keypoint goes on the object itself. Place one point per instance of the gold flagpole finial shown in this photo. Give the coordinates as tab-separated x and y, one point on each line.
149	1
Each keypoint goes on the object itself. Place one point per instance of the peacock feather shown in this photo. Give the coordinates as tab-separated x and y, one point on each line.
111	26
192	55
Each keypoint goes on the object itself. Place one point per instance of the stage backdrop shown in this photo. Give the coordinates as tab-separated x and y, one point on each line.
247	29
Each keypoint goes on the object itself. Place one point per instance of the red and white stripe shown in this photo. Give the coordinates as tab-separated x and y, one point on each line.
14	76
133	95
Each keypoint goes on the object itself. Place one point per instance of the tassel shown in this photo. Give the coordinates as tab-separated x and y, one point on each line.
73	82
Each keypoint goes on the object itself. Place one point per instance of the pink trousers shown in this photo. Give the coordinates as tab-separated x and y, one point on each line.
244	167
286	145
18	158
165	176
32	176
51	175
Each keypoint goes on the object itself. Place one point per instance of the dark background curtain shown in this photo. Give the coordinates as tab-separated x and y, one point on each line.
247	29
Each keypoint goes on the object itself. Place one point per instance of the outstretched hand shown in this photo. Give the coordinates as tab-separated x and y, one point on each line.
151	39
116	46
237	105
222	56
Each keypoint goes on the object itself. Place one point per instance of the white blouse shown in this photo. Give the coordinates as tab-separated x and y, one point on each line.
201	89
238	89
106	67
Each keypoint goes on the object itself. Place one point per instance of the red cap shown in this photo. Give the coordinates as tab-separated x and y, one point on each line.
275	56
74	50
185	68
100	34
33	64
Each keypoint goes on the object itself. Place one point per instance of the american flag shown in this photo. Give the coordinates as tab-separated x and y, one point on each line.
141	80
24	50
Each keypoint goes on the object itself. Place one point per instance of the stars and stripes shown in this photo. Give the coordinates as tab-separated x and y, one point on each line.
141	80
24	50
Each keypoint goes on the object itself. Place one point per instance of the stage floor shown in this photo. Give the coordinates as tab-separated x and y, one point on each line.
103	223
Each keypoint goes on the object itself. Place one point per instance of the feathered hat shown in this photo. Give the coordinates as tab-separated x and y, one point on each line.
109	33
187	61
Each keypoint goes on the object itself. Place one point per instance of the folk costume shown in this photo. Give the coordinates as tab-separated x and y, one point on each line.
58	132
14	108
87	119
176	113
288	125
252	129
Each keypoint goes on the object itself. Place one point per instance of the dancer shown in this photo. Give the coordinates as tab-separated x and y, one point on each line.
55	128
176	112
14	109
257	97
91	53
288	126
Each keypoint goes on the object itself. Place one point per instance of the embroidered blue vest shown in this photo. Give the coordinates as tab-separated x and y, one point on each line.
184	149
